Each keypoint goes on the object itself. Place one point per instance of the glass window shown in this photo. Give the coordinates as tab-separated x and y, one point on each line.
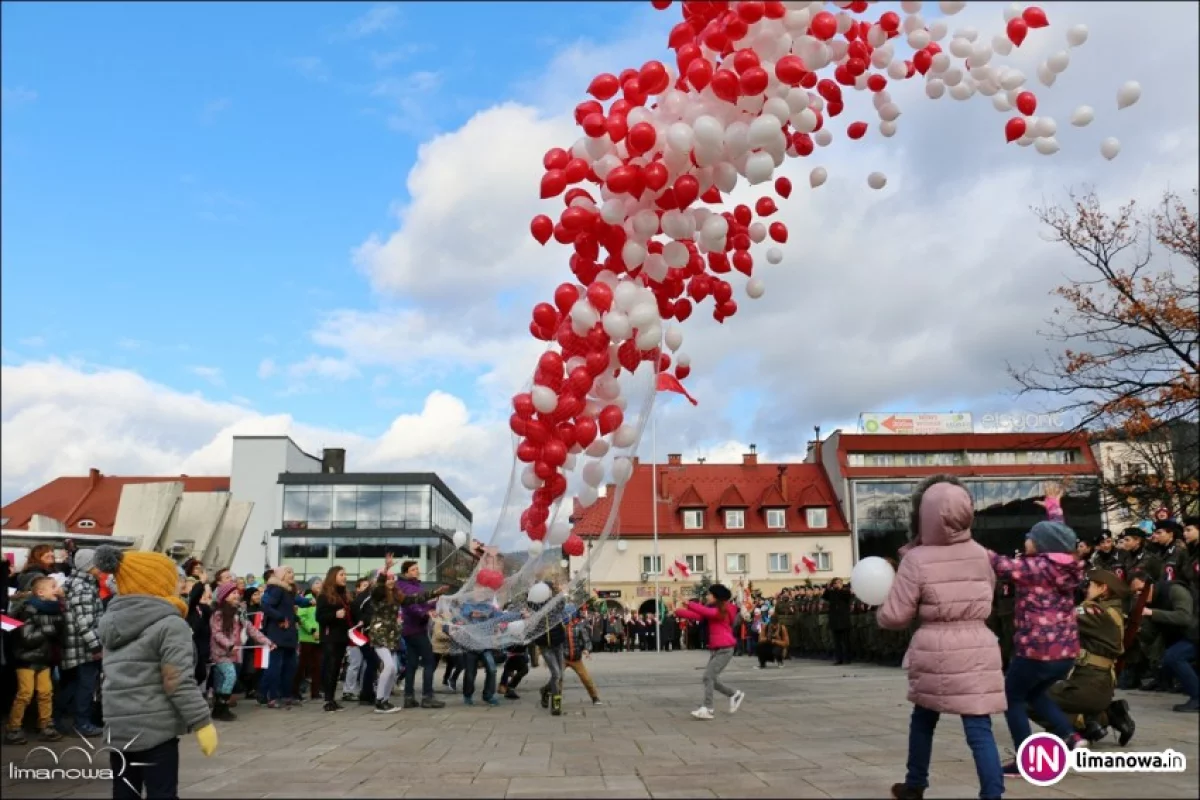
344	501
855	460
320	506
779	562
777	518
735	563
652	565
735	519
392	501
693	519
368	506
295	506
695	563
417	507
823	560
817	517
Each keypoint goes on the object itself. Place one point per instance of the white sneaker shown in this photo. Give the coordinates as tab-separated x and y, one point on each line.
735	702
758	666
702	713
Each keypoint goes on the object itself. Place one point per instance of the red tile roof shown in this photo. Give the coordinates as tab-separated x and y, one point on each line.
93	497
687	486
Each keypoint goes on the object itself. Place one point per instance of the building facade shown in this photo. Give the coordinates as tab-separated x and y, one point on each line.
772	525
875	475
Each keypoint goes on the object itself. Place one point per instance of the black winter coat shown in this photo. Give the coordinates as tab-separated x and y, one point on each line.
39	641
839	608
334	630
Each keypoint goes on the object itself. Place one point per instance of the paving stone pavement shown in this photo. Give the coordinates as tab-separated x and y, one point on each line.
809	730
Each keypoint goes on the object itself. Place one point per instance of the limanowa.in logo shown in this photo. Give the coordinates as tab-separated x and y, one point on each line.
1044	759
104	763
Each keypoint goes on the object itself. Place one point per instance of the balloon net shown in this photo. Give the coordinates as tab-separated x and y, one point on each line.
646	210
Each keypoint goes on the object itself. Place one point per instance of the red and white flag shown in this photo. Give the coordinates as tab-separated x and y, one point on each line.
262	657
671	573
809	565
669	383
357	637
9	624
682	566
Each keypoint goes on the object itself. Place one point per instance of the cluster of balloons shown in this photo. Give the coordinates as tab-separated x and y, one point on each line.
643	192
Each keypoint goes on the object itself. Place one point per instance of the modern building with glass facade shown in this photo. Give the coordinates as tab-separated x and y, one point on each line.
875	475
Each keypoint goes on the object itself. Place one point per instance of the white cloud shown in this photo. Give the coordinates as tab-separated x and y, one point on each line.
323	367
211	374
375	20
267	369
311	67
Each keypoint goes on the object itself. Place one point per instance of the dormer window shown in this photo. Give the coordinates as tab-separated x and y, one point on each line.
693	519
817	517
735	519
86	523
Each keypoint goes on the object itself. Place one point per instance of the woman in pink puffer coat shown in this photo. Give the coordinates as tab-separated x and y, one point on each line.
946	581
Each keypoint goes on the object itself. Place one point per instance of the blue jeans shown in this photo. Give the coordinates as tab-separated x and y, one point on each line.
419	651
979	738
471	665
1177	661
76	693
280	672
1027	683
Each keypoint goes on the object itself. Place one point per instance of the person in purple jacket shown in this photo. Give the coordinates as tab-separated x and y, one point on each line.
418	646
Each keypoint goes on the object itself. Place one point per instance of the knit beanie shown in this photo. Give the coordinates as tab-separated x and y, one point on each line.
85	559
1053	537
151	574
721	592
224	590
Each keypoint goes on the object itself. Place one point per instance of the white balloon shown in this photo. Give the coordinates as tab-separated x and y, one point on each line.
1059	61
952	77
1128	94
679	137
644	314
940	63
674	339
871	580
1002	45
889	112
593	473
622	470
584	315
981	54
625	436
1013	11
823	138
587	496
1046	146
613	211
625	295
544	399
569	464
1082	116
459	539
645	223
1109	148
676	254
1000	102
910	6
919	39
1012	79
597	449
622	546
1045	127
529	480
558	533
876	180
539	592
516	628
1046	75
778	108
774	255
968	33
962	92
817	177
951	7
937	30
960	47
683	360
633	254
897	71
1077	35
759	167
887	128
755	288
650	337
763	130
708	131
934	89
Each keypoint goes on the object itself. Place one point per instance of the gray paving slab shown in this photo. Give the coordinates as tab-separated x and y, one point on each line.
809	730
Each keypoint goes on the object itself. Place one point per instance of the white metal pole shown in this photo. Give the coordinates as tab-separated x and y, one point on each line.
654	491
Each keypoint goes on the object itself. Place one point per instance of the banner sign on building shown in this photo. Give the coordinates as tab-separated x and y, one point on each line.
609	594
887	423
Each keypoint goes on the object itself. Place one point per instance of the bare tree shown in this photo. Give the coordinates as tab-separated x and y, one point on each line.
1127	365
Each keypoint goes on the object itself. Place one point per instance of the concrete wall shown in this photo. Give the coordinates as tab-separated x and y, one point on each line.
194	521
254	478
144	510
224	543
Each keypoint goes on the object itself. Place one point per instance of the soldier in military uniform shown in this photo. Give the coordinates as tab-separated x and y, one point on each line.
1105	555
1136	555
1191	538
1166	543
1086	695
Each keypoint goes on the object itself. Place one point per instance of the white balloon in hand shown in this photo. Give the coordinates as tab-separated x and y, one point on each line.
871	580
1128	94
1109	148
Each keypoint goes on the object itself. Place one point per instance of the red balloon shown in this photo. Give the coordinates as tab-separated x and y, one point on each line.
523	404
573	546
682	371
661	5
550	363
745	59
1014	129
538	332
682	309
890	22
877	83
597	362
830	91
585	431
542	227
1017	30
922	61
725	85
823	26
641	138
856	130
622	179
604	86
565	296
555	158
743	262
773	9
1027	103
490	579
700	73
655	174
553	183
783	187
742	214
518	424
1035	17
595	125
580	380
722	292
803	144
585	108
611	418
754	81
527	452
554	453
653	78
765	207
600	295
687	189
618	126
790	70
778	232
751	12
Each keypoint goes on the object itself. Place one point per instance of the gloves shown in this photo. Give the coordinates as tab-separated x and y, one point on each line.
206	737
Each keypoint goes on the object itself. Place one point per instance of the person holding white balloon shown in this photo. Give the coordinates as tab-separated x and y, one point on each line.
946	581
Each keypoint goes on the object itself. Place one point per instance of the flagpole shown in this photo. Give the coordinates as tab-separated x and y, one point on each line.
654	491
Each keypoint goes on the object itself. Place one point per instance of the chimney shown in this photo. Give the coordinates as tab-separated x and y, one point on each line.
333	460
93	477
783	481
817	443
674	459
610	489
636	461
751	459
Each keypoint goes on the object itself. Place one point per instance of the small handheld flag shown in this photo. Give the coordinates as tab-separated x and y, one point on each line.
357	637
9	624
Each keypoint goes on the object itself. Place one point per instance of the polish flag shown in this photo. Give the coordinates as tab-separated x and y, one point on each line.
683	568
809	564
357	637
671	573
262	657
9	624
669	383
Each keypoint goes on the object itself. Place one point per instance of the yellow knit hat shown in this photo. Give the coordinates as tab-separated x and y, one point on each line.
152	574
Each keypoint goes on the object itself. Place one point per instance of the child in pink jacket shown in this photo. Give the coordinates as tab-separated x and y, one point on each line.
720	616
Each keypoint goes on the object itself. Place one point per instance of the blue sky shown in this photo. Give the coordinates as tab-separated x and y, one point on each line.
183	183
